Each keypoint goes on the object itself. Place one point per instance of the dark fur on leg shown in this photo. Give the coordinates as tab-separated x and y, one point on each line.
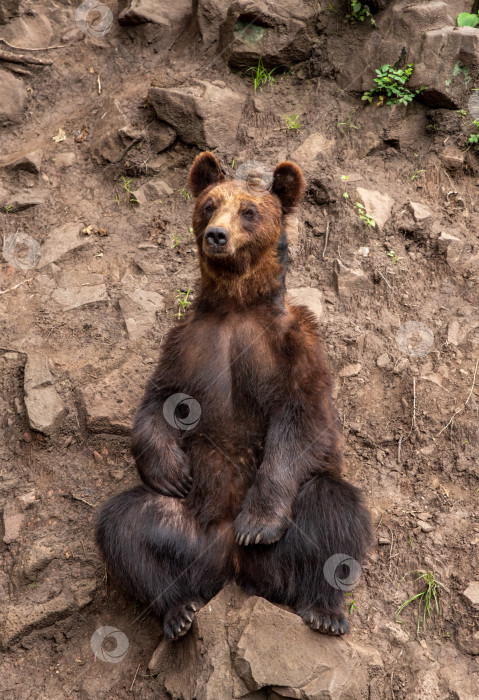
155	549
329	517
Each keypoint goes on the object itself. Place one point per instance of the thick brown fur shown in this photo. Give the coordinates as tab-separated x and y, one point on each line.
254	492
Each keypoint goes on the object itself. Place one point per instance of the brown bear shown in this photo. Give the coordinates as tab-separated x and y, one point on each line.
237	441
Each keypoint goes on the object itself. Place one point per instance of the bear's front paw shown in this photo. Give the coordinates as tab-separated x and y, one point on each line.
254	529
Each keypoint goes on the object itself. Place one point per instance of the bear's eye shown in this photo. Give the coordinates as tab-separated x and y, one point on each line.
249	213
208	208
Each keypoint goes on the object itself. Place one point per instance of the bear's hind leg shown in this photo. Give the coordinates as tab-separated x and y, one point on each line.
318	558
156	550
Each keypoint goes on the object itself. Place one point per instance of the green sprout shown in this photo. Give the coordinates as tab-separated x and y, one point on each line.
363	215
394	257
182	299
292	122
260	75
428	598
416	175
358	12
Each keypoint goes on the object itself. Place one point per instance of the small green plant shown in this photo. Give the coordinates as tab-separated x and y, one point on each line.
461	69
9	208
392	83
182	299
363	215
394	257
176	240
348	124
473	140
261	76
462	113
466	19
292	122
185	193
358	12
127	187
351	603
233	163
415	175
428	598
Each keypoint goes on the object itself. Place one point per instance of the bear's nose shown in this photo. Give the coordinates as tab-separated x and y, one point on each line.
216	236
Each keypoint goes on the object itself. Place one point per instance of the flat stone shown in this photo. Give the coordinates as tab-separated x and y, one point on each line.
37	557
377	205
152	191
12	523
111	402
29	31
165	14
139	309
23	200
202	114
31	162
61	241
307	296
451	245
314	146
468	643
45	408
73	297
348	281
472	594
420	212
350	370
425	527
452	158
13	97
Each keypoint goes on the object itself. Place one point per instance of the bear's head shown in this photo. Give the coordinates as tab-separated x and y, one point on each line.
238	225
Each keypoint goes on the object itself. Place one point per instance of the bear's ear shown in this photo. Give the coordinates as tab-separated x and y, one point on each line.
288	184
204	172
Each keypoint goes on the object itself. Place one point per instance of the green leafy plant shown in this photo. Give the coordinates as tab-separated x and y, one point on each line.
363	215
8	208
351	603
127	187
260	75
182	299
183	191
466	19
428	598
394	257
473	140
359	11
415	175
292	122
391	83
348	124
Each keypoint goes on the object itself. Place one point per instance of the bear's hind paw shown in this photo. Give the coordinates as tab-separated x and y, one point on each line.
179	620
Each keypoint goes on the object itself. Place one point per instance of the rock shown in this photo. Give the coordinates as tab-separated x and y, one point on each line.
23	200
61	241
31	162
39	556
348	280
420	212
377	205
281	34
468	643
454	334
425	527
45	408
111	132
73	297
210	15
12	522
202	113
13	97
471	594
384	361
350	370
139	312
162	13
307	296
241	646
451	245
452	158
152	191
111	402
27	500
314	146
65	160
31	31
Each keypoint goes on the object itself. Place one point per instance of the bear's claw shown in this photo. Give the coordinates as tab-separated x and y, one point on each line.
333	623
248	532
178	621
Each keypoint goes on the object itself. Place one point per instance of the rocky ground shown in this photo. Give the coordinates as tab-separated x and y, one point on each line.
102	110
